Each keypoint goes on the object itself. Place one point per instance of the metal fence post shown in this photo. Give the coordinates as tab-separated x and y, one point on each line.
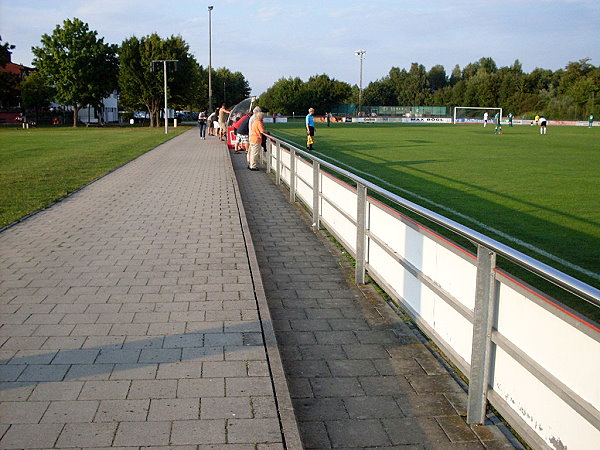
292	175
361	232
278	163
482	330
269	153
316	195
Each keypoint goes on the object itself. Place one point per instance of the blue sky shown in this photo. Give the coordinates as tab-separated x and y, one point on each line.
267	40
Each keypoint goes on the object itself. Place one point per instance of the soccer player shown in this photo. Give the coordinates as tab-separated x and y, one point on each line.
485	119
510	118
537	119
591	121
497	119
310	129
543	123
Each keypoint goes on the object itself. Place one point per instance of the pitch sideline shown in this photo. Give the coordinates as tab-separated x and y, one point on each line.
502	234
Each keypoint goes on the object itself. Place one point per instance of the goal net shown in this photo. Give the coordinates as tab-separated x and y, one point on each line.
474	114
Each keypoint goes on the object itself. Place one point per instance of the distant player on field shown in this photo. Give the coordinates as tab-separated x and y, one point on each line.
485	119
543	122
510	118
591	121
497	119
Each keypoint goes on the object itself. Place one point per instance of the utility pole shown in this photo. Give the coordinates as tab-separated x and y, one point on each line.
210	8
165	61
361	55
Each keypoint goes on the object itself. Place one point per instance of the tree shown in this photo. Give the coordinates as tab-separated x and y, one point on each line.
229	87
82	68
380	92
437	77
286	96
9	82
142	87
36	93
323	93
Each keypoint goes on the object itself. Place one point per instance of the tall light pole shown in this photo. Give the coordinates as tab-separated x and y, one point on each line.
361	55
210	8
165	61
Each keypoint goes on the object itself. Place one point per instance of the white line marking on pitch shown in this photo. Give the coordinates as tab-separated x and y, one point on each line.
508	237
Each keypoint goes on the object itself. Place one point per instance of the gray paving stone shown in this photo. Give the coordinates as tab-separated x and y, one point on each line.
253	431
194	431
70	411
87	435
202	387
122	411
49	372
65	390
31	435
104	390
357	433
174	409
22	412
226	408
142	434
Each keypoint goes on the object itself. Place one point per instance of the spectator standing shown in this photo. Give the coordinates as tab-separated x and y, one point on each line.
210	122
223	122
243	132
310	129
256	133
202	124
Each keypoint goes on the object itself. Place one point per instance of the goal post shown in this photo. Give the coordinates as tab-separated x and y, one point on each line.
473	114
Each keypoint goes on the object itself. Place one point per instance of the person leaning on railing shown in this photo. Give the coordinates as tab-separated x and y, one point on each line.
255	141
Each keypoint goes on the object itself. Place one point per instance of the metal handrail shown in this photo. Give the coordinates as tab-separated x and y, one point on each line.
561	279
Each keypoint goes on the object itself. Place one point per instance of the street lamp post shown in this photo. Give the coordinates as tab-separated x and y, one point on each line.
165	61
361	55
210	8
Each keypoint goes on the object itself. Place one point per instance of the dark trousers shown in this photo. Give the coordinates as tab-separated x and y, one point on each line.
202	127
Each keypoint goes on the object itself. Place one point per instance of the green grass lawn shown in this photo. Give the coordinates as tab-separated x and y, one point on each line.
39	166
543	190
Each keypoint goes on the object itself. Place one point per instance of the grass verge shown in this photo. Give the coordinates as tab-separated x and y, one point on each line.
39	166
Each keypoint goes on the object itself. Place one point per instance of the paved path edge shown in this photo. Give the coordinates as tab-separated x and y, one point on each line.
287	417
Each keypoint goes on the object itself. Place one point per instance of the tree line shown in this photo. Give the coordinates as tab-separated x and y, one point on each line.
569	93
77	68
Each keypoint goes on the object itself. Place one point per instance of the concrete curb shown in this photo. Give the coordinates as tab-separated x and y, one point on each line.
287	417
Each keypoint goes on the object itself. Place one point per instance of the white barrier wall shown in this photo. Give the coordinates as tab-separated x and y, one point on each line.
545	360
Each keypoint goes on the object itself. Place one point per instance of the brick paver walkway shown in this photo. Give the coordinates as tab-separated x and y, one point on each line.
358	375
130	318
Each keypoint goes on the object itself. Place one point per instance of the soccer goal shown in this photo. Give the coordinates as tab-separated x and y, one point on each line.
474	114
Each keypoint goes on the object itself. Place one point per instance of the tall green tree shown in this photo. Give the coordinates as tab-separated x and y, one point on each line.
141	82
82	68
9	82
36	93
229	87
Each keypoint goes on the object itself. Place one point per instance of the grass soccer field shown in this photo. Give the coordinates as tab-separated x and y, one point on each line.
38	166
538	194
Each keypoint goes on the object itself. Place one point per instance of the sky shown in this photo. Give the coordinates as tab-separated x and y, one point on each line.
267	39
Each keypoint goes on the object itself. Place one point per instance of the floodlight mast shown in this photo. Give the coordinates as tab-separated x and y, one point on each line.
361	55
165	61
210	8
